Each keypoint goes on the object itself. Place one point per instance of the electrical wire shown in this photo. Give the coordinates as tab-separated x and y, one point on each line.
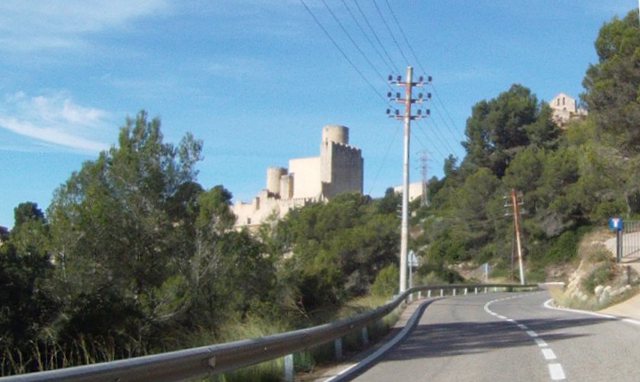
413	53
344	55
375	35
393	37
364	33
355	44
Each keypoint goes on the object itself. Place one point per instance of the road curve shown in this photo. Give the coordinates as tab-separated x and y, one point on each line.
511	337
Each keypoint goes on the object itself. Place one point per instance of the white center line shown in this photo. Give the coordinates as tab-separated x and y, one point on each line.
540	342
548	354
556	371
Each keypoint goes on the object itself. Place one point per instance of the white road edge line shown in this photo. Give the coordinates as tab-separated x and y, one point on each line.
631	321
364	363
548	305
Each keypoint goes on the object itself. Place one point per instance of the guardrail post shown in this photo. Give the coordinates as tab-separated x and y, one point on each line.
420	294
454	291
485	289
429	293
465	291
337	346
365	336
476	290
288	368
441	293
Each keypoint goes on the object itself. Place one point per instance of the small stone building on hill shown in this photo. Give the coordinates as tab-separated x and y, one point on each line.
565	109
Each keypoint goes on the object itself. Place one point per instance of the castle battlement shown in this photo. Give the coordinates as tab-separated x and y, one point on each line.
347	146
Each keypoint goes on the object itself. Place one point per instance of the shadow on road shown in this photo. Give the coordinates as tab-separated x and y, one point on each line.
451	339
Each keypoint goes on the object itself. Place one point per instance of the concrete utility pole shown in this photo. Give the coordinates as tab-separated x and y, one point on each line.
407	117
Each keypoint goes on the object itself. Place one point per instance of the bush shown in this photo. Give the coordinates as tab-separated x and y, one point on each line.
386	283
601	275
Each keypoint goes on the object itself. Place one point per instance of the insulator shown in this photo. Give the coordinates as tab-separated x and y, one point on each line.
397	95
429	95
399	78
420	96
428	112
419	112
397	112
429	79
388	111
389	94
390	77
421	79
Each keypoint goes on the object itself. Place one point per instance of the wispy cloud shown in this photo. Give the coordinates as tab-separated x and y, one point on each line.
55	119
32	25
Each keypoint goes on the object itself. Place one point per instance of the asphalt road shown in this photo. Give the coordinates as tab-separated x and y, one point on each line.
511	337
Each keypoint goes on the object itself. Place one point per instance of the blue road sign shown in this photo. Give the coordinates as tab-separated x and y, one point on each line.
615	224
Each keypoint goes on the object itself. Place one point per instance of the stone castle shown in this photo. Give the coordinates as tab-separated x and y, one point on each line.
338	169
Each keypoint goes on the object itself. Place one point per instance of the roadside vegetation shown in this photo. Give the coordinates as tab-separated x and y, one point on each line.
135	257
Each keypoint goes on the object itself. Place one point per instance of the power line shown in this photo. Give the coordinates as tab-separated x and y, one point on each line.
390	32
437	131
425	146
384	160
406	40
335	44
375	35
395	19
373	45
352	40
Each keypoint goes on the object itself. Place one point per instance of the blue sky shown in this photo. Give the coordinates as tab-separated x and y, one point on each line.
257	79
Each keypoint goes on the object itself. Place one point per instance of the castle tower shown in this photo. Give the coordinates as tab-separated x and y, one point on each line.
341	165
335	133
273	179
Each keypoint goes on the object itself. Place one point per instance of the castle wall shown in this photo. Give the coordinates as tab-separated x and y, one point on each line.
306	173
262	208
415	190
342	169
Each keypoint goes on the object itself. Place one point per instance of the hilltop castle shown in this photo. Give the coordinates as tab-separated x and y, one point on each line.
338	169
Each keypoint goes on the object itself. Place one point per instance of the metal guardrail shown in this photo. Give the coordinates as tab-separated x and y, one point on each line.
215	359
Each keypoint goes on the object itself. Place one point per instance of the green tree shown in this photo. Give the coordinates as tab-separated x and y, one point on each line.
499	128
613	84
26	212
338	247
114	222
29	304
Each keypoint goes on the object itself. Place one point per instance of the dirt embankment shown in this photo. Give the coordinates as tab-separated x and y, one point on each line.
598	281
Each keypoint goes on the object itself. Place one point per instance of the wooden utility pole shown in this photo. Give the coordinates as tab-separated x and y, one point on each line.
516	226
407	118
425	181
